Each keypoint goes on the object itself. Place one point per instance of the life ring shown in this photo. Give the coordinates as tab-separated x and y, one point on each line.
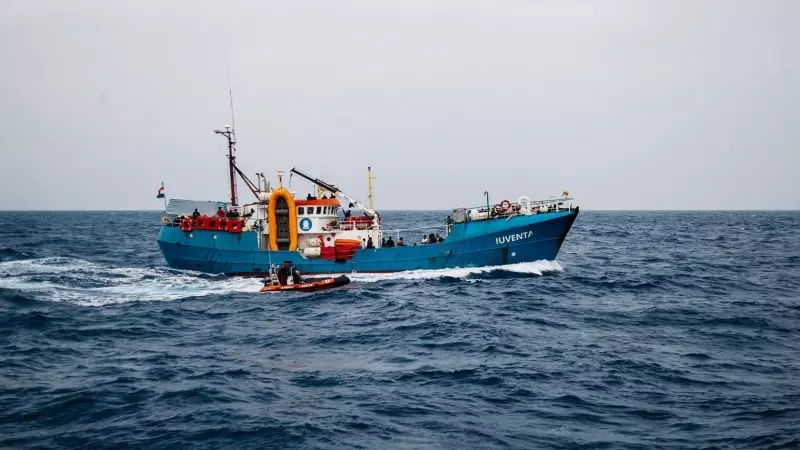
212	223
186	224
505	204
234	226
223	224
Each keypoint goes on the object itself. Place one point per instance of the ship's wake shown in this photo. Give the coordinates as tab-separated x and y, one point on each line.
90	284
87	283
536	268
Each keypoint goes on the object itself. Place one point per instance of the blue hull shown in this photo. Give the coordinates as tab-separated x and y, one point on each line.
472	244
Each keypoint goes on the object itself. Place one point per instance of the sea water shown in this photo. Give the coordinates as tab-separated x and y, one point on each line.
651	330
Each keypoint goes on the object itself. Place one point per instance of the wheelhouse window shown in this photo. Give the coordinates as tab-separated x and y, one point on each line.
319	210
301	210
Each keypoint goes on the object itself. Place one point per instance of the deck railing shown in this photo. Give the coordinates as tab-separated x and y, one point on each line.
523	206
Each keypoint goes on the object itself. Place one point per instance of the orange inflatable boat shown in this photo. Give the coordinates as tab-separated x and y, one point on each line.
309	285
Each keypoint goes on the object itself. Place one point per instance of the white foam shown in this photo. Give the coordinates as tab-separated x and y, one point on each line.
129	284
533	268
43	265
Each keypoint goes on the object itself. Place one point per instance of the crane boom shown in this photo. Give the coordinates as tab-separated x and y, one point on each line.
336	191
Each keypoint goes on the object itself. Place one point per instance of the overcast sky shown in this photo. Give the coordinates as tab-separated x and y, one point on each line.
671	104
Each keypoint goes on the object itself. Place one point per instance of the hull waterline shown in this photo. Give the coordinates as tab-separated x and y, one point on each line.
475	244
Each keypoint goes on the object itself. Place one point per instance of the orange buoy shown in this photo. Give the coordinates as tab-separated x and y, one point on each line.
353	242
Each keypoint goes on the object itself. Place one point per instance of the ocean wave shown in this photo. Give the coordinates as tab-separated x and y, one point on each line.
10	254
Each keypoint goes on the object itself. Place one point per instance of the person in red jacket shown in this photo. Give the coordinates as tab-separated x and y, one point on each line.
220	212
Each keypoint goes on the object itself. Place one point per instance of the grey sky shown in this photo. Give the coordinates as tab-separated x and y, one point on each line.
628	104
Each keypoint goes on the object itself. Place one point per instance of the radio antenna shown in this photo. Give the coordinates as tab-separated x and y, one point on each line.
230	134
230	93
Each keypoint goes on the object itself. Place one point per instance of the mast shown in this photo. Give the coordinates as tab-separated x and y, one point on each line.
371	195
228	133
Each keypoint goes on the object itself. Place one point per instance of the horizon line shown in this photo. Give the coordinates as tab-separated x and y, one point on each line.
428	210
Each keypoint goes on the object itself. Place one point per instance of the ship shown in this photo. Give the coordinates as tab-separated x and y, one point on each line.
332	232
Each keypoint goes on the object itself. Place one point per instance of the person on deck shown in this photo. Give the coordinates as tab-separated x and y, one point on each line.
195	214
431	239
383	242
283	274
400	243
389	242
369	243
220	212
296	278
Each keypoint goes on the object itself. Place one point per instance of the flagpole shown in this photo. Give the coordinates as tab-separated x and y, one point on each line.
165	198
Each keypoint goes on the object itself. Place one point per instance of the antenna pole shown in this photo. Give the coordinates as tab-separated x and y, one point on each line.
230	94
230	134
369	183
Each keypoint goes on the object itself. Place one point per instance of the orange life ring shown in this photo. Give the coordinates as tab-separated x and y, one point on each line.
234	226
212	223
201	223
223	224
186	224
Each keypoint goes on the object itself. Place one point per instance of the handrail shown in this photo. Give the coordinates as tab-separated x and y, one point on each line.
531	203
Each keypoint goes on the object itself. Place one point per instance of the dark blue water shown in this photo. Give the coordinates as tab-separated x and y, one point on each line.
653	330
